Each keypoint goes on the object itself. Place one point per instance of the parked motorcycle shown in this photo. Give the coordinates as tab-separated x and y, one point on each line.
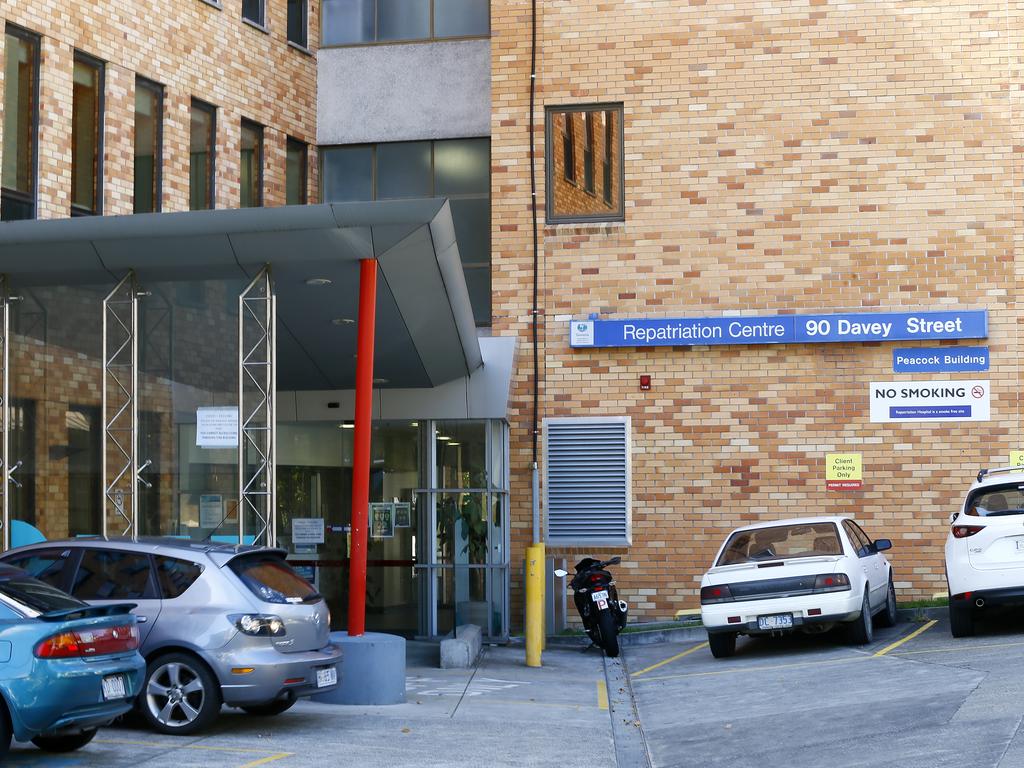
597	601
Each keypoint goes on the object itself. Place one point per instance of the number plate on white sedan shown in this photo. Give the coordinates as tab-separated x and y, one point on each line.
326	677
778	621
602	595
113	687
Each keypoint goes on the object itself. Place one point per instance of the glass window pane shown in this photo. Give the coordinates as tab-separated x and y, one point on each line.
201	159
461	18
472	219
478	282
175	576
461	454
347	21
584	175
106	574
47	565
84	436
347	174
85	136
251	166
147	146
295	173
297	22
403	19
20	118
462	167
403	170
253	11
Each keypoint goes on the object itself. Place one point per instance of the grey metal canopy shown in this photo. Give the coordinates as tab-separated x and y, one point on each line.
425	333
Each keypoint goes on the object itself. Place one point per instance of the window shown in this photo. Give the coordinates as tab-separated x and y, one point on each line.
253	10
20	125
781	541
458	169
591	132
858	539
37	595
296	174
175	576
47	565
86	136
272	580
251	166
202	155
351	22
149	104
110	574
588	481
588	152
298	11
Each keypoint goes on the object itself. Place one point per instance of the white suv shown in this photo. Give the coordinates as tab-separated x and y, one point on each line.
985	548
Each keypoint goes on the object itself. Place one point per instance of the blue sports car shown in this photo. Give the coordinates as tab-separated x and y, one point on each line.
66	668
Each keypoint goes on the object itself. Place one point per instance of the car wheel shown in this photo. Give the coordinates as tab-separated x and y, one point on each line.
180	695
722	644
271	708
609	633
961	619
887	618
64	743
862	631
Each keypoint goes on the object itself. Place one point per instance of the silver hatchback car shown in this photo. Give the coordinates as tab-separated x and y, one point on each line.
219	624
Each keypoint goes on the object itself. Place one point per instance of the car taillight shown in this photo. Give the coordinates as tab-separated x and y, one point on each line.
596	577
831	582
719	594
89	642
963	531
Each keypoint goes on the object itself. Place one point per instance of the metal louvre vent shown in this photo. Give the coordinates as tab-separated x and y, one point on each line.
587	481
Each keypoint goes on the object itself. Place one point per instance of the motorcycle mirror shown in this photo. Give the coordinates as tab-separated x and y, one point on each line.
615	560
560	573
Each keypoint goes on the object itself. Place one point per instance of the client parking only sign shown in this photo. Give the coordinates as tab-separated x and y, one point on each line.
929	401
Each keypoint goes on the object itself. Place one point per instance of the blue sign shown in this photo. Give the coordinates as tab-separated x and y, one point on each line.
947	360
779	329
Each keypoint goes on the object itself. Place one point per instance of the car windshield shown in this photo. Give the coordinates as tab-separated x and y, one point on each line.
997	501
37	595
781	542
272	579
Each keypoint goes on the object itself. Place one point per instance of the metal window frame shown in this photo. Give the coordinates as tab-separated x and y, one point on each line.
291	141
37	41
257	418
261	22
401	41
211	174
81	57
259	130
304	43
158	158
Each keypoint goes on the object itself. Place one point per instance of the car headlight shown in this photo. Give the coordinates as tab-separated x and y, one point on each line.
258	624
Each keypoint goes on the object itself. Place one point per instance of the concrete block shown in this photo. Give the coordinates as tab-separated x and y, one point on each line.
372	670
461	651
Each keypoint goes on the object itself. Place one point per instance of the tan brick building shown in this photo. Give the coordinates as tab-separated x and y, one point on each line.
779	158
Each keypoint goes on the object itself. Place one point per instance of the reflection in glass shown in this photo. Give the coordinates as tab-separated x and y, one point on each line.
201	156
577	140
86	119
297	10
295	172
347	174
462	167
461	18
403	170
253	11
251	165
148	119
20	121
348	21
403	19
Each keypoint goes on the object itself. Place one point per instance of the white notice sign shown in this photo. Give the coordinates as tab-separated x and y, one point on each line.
307	530
217	427
581	333
894	401
211	510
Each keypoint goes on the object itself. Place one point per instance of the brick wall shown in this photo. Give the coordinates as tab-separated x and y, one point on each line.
194	49
779	157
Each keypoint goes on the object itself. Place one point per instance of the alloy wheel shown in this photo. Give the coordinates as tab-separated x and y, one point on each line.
175	694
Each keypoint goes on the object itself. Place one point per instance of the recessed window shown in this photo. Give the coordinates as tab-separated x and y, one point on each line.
251	165
351	22
20	125
149	99
458	169
86	136
202	156
254	11
296	173
577	139
298	24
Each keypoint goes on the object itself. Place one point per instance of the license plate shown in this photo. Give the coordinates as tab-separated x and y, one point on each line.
598	596
778	621
326	677
113	687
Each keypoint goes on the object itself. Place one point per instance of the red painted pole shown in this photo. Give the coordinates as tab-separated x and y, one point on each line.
361	448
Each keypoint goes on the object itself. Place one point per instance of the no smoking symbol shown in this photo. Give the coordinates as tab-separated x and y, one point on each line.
978	391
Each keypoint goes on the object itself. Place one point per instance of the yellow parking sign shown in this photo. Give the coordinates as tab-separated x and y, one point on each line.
1017	458
843	471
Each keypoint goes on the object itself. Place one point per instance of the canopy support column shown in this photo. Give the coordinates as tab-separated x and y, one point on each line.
361	448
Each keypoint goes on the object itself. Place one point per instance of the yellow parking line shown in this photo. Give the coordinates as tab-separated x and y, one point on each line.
265	760
949	648
602	695
669	660
911	636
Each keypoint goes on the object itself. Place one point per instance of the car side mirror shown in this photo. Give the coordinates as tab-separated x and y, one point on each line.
560	573
882	544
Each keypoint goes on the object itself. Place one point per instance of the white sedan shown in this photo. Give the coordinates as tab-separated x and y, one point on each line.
806	574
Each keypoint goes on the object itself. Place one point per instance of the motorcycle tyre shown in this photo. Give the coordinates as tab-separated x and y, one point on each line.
609	634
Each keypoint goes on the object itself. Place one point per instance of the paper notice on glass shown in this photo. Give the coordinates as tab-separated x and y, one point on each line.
403	514
211	510
307	530
217	427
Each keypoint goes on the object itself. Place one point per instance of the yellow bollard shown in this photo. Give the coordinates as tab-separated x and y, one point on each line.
534	604
543	560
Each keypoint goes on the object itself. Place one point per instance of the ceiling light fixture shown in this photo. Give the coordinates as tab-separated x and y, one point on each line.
346	425
343	321
381	381
443	438
318	281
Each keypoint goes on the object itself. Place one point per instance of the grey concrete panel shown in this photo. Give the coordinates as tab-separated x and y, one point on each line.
490	383
447	401
314	405
431	90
